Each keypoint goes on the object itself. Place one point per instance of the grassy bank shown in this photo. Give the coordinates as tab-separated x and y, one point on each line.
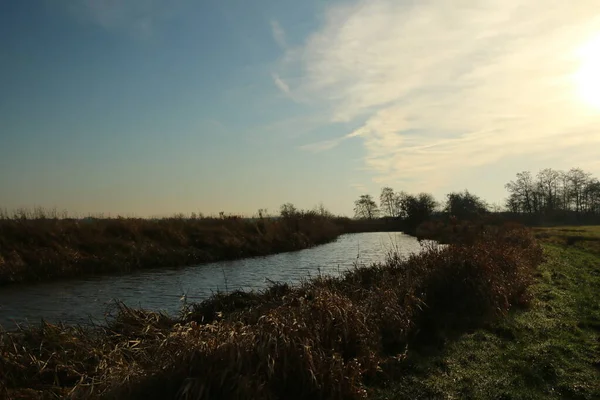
328	338
549	351
48	248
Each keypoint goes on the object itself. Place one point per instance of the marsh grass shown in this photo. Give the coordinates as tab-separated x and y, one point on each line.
42	245
327	338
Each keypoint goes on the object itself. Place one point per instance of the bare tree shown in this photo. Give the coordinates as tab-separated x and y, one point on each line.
577	179
592	193
554	192
387	202
548	181
522	192
365	207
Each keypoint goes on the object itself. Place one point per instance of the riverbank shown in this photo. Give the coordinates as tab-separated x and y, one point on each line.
328	338
161	289
551	350
43	249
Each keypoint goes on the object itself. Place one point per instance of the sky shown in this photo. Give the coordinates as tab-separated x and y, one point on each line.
154	107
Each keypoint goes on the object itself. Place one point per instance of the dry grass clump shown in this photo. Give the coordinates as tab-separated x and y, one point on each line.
327	338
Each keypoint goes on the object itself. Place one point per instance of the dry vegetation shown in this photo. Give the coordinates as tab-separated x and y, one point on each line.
328	338
36	246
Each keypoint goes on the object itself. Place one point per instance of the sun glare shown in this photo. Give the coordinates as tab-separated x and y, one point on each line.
587	78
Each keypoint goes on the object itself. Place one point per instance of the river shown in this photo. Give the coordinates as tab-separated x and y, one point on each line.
85	299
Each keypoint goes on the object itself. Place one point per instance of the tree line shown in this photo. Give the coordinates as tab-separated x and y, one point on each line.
550	194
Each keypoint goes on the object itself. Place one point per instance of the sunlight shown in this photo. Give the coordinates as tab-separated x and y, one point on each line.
587	78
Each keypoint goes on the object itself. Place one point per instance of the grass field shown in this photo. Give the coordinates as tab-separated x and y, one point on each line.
549	351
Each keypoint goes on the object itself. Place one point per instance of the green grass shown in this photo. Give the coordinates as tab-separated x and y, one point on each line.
549	351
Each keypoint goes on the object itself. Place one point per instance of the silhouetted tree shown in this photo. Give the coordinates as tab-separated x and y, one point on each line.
554	194
548	181
578	180
521	192
288	210
387	202
365	207
416	209
465	205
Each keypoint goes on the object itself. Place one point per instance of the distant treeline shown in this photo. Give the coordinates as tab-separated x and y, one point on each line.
554	196
549	197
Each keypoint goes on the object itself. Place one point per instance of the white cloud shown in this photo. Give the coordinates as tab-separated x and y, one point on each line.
278	34
442	86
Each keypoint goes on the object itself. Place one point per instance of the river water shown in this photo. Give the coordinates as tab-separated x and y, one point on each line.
86	299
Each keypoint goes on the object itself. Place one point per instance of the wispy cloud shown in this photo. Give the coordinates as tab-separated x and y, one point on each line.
323	145
478	81
278	34
280	83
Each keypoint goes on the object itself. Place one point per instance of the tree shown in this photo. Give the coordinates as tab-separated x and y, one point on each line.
416	209
578	180
288	210
513	203
521	191
592	194
426	205
399	199
365	207
548	182
387	202
555	193
465	205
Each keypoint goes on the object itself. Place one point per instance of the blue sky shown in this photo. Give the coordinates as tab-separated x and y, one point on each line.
151	107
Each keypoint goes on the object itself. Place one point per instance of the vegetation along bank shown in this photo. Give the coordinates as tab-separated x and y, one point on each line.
375	331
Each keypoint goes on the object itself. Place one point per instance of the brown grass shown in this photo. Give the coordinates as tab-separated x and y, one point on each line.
48	248
327	338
